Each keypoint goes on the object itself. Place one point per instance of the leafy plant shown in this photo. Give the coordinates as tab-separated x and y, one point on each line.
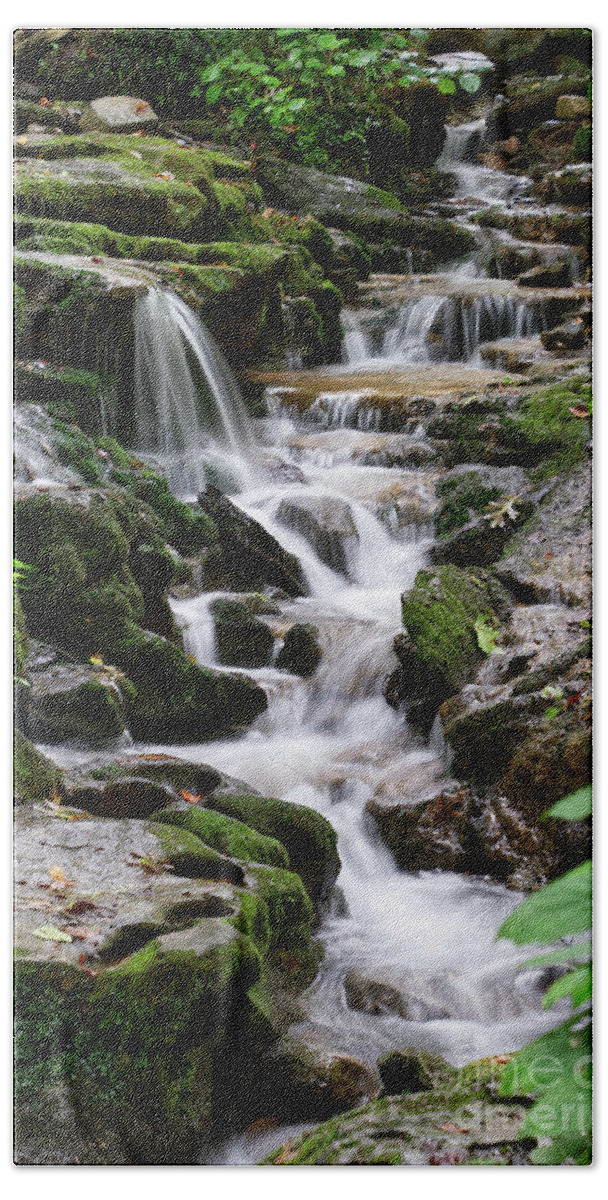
487	634
319	91
556	1068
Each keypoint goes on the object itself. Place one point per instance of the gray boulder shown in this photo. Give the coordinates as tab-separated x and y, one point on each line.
118	114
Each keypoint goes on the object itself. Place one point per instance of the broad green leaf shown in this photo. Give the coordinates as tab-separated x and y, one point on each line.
577	1149
486	636
579	951
553	712
563	1110
575	807
213	93
446	86
561	908
328	41
211	73
577	984
469	82
558	1058
50	933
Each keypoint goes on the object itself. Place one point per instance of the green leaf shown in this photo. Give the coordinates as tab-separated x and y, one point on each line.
577	1150
50	933
328	41
577	984
446	86
552	712
561	908
469	82
558	1057
213	93
575	807
211	73
579	951
486	636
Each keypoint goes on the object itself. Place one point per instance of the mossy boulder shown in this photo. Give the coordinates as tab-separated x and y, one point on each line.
176	699
35	778
457	1124
478	514
241	639
227	835
439	614
290	918
308	837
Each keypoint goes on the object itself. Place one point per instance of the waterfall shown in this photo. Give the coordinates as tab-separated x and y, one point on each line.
189	411
483	185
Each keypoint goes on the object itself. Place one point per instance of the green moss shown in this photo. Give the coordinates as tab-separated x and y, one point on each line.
290	914
123	201
19	306
138	1047
308	837
81	593
227	835
558	435
461	495
439	613
20	638
94	710
189	856
36	778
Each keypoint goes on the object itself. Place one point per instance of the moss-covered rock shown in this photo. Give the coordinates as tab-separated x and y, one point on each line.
440	613
308	837
241	639
457	1123
227	835
69	700
36	778
176	699
247	556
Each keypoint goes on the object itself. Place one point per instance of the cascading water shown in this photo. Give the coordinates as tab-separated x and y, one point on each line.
189	412
482	184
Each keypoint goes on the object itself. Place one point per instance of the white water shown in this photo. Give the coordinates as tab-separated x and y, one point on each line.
463	143
189	412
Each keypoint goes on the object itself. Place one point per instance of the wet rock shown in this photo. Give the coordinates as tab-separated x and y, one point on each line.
470	525
550	275
441	650
241	639
415	1071
247	557
571	185
507	262
431	835
512	354
36	779
356	207
552	559
181	972
449	1126
572	108
327	524
308	837
570	336
300	652
75	700
118	114
373	996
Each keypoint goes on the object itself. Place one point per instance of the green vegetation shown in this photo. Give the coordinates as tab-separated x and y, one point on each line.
559	912
462	496
440	614
227	835
308	837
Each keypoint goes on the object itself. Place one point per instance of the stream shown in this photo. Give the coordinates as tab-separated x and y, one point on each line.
332	742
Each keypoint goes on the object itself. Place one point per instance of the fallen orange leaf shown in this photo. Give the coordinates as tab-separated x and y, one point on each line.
190	797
